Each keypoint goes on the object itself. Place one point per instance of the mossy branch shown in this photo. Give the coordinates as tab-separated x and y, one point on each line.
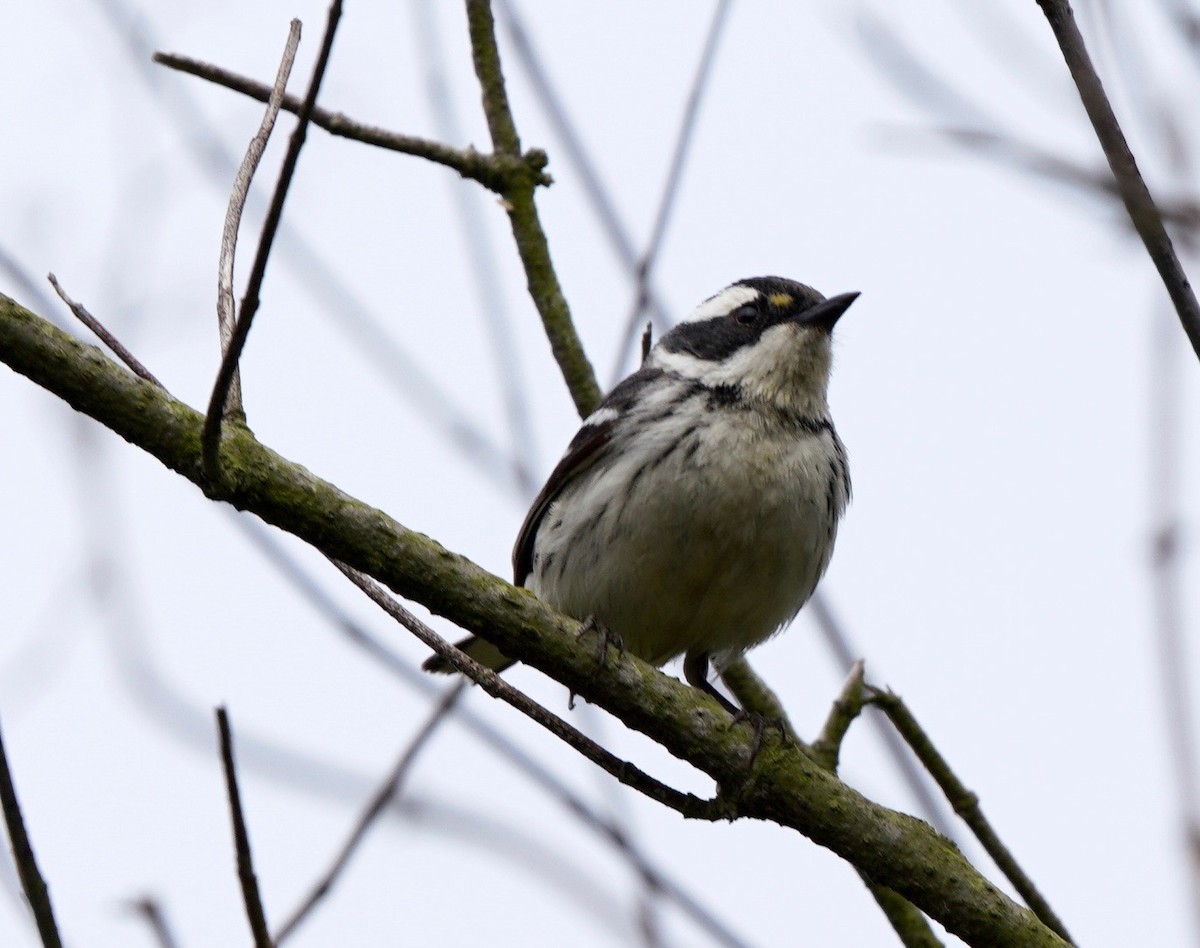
527	230
782	784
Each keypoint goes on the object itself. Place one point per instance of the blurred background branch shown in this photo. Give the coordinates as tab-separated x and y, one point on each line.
1005	277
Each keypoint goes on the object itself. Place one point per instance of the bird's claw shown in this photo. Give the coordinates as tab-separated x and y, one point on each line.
604	638
759	724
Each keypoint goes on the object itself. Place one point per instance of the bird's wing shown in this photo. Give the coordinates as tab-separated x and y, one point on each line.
583	451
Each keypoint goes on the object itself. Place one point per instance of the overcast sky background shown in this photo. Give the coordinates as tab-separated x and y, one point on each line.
994	385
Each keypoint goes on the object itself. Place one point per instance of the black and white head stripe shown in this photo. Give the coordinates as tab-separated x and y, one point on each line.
740	314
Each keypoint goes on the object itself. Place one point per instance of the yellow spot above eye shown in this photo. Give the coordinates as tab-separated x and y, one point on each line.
780	300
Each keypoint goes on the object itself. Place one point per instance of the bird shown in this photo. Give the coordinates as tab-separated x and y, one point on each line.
696	509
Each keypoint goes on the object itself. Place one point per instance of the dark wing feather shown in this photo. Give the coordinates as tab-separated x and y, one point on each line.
582	452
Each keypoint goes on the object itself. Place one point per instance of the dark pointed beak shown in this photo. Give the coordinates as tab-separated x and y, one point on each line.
827	312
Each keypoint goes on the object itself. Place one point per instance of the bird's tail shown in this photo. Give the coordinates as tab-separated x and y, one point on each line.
479	649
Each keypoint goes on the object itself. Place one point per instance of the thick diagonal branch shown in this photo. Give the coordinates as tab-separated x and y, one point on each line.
783	785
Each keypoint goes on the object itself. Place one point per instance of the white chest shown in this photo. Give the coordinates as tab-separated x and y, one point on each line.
712	538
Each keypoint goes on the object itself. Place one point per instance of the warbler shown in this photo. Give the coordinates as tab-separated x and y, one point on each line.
696	509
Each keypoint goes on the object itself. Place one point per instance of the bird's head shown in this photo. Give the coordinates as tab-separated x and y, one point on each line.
767	337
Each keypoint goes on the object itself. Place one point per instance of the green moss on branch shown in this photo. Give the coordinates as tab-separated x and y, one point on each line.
785	786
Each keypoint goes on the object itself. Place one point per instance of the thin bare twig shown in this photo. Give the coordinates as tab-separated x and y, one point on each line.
482	728
1139	203
32	882
245	862
491	171
685	803
250	300
383	796
113	343
149	909
966	805
226	314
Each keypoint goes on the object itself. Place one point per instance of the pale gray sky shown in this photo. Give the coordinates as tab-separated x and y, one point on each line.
993	386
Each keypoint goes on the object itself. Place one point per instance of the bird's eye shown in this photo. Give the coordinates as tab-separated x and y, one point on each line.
746	315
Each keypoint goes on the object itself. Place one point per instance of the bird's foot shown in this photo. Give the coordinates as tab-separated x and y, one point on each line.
695	670
604	638
759	724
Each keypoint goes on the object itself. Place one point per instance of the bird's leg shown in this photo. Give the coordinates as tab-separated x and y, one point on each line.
695	670
604	638
759	724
